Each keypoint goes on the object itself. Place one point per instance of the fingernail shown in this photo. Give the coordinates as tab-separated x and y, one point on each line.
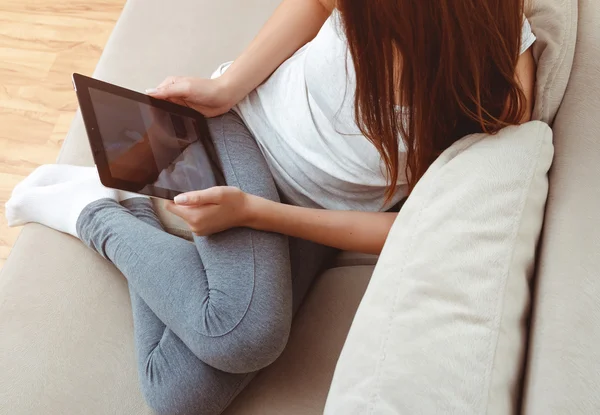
151	91
181	199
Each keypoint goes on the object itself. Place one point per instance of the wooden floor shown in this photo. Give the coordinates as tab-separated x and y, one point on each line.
41	43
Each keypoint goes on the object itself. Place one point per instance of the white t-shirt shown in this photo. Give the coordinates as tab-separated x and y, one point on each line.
303	120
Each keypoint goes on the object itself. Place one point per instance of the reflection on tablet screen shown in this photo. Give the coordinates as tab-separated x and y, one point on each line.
150	146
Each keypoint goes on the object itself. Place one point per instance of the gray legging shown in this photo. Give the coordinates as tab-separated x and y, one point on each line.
206	315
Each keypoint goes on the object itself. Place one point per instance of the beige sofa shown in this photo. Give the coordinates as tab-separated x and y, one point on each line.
66	344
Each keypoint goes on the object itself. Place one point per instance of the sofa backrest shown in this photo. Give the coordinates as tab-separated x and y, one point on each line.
562	373
554	22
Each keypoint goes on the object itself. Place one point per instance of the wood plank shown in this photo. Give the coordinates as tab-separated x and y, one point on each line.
42	43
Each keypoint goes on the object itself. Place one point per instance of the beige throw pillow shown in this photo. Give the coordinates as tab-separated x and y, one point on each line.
442	326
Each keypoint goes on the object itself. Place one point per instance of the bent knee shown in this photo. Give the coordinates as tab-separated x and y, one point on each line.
252	352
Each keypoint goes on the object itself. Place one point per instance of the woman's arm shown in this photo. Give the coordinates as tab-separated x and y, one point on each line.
525	74
294	23
220	208
347	230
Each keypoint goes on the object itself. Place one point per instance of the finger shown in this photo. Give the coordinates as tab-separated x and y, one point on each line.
169	80
183	212
200	197
190	198
180	89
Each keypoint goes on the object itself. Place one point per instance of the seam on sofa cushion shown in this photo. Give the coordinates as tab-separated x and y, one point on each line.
519	214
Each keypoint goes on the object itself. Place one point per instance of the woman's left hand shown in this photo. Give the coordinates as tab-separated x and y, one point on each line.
213	210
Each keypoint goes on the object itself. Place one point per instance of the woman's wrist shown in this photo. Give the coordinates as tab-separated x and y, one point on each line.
254	209
229	90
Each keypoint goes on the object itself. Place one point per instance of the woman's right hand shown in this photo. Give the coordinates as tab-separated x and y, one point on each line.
210	97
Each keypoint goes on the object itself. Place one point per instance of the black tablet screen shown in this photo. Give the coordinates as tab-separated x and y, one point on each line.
151	148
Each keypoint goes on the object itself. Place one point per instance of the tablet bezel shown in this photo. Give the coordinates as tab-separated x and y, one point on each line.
82	83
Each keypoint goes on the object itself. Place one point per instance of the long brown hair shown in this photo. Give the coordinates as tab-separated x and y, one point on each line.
448	64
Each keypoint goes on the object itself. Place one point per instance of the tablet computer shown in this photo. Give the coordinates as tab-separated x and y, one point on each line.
145	145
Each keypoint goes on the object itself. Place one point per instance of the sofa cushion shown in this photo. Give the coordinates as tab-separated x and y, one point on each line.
352	259
298	382
441	328
554	23
66	335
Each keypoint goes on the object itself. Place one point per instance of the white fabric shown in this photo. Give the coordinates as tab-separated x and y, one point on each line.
527	36
54	195
303	119
442	326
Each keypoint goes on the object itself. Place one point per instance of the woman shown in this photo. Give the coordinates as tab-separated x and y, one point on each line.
341	126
